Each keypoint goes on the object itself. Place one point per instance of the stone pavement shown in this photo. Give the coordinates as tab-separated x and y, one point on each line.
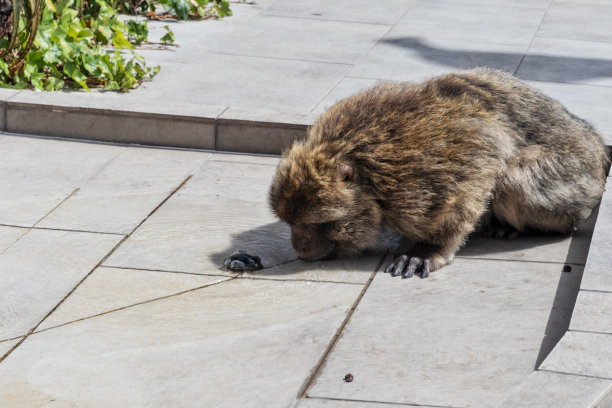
111	292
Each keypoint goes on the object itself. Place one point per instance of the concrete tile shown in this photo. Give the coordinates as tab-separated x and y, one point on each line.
545	389
245	158
9	235
592	312
346	88
357	11
537	4
7	345
221	209
265	83
322	41
218	346
482	23
574	21
465	336
125	192
38	174
40	269
110	127
558	60
7	93
108	289
256	139
582	353
587	101
334	403
571	249
403	56
598	266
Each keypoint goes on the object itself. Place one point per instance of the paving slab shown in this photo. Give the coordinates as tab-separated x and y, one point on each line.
570	61
40	269
255	82
599	264
582	353
320	40
347	87
575	21
9	235
592	312
125	191
496	24
122	288
218	346
32	188
465	336
221	209
355	11
586	101
545	389
405	56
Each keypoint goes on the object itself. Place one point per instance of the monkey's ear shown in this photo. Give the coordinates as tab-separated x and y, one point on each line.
345	172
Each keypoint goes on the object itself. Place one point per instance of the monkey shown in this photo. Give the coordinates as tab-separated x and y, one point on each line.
432	161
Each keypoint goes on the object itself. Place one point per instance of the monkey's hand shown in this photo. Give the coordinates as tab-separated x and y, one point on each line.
241	261
406	266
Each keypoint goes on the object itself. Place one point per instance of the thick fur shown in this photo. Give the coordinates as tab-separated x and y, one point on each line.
431	160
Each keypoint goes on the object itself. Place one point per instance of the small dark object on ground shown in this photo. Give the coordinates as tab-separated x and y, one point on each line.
567	268
241	261
348	377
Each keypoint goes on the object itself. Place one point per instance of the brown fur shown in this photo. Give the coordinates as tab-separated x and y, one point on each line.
431	160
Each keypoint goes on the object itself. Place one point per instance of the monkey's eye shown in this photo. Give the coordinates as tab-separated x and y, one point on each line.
345	171
346	178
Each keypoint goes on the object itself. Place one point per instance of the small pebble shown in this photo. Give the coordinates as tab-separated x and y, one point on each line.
348	377
567	268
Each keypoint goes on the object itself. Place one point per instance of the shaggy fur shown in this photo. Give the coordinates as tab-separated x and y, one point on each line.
431	160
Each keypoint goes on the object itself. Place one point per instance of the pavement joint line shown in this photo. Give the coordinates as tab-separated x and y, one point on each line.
550	81
33	329
55	208
30	228
62	229
590	332
574	374
535	34
400	404
263	14
229	278
260	278
167	271
280	58
574	39
302	391
596	291
519	260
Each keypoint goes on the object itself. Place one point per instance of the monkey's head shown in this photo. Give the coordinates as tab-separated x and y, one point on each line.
318	194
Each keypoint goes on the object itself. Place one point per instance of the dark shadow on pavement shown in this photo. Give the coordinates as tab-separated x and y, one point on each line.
534	66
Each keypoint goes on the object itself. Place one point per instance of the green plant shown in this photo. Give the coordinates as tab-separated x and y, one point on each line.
180	9
71	49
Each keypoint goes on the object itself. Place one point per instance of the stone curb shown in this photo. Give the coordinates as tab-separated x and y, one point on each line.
145	128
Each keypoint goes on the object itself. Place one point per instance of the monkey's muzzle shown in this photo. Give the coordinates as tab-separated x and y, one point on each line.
310	242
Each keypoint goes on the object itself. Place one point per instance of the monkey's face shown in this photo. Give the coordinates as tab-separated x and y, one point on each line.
320	197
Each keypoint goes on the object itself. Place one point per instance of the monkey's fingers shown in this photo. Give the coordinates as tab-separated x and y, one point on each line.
426	268
415	262
397	266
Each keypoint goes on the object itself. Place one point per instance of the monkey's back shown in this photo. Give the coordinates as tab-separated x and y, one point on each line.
436	155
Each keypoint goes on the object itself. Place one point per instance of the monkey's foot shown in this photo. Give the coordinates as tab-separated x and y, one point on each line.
241	261
406	266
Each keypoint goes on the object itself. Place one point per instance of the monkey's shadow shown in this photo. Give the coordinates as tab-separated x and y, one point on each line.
272	243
